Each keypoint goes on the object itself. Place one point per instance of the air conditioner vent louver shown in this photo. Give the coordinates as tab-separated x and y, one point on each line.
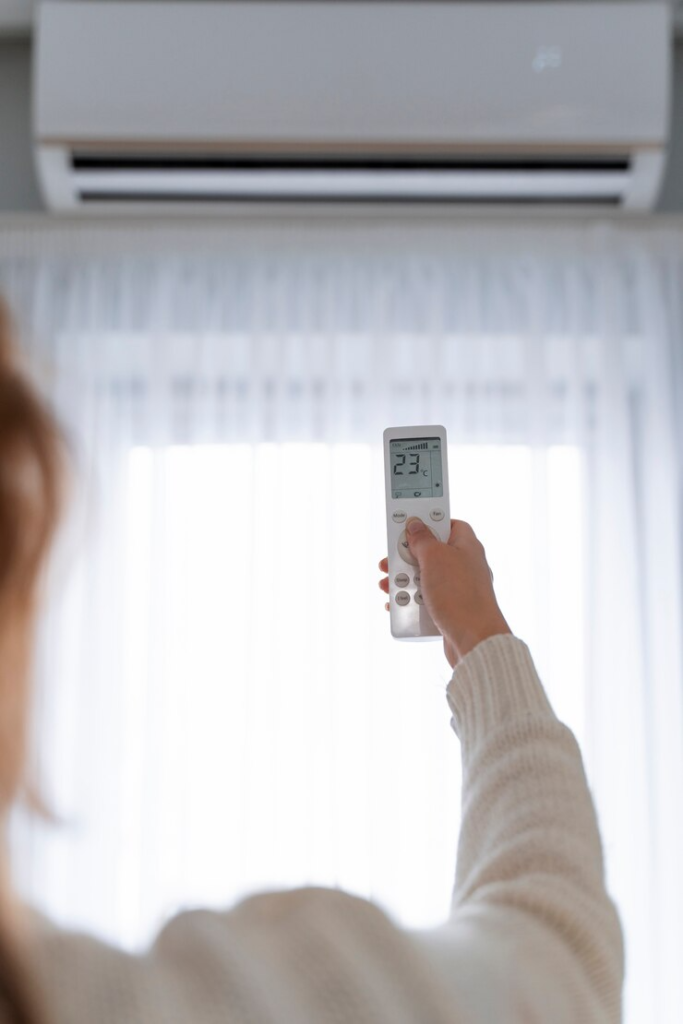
346	178
388	101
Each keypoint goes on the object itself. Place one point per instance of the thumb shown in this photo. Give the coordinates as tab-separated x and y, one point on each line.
419	535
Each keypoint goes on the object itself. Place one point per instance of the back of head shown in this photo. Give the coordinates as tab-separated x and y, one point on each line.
31	463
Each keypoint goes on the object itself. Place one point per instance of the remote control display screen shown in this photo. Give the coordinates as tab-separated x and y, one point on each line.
416	467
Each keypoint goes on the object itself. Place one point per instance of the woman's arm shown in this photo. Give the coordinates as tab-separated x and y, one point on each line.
533	935
530	875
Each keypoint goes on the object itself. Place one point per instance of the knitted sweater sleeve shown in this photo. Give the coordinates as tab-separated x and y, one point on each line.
533	935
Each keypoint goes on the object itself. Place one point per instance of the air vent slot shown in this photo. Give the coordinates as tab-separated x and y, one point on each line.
83	161
244	197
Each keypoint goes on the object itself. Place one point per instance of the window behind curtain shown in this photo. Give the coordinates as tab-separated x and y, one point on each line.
260	728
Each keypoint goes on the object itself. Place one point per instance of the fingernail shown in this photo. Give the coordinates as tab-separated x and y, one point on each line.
415	525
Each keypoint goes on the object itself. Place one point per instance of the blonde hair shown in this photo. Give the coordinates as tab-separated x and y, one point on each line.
31	480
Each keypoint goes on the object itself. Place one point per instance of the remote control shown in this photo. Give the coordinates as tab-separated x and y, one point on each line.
416	475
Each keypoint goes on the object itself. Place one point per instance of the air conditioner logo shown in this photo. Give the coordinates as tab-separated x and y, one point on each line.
547	58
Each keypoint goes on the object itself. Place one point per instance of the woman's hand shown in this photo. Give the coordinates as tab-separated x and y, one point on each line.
457	586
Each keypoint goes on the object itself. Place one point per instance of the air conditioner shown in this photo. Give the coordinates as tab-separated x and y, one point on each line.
174	106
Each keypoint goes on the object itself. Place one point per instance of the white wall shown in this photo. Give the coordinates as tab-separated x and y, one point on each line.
18	186
671	199
19	189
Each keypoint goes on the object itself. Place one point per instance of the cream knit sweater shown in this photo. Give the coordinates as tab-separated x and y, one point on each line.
533	937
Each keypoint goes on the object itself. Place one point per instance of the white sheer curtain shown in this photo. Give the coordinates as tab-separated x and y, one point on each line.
219	705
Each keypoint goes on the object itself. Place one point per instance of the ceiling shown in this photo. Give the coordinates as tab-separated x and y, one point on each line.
16	15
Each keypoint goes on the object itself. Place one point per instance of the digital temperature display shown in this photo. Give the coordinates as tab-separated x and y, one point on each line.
416	468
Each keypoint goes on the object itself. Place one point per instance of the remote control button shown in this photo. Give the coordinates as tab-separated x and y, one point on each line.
437	514
418	598
403	598
402	580
404	551
417	579
399	516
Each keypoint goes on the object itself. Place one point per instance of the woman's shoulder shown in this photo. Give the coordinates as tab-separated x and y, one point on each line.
303	955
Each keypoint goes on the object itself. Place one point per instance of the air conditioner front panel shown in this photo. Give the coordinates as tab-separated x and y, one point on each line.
148	106
351	73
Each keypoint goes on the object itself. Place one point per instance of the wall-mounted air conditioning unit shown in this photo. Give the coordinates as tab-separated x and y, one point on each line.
173	106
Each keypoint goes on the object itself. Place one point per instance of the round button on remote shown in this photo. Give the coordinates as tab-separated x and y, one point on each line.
419	598
402	580
437	514
405	552
399	516
403	598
